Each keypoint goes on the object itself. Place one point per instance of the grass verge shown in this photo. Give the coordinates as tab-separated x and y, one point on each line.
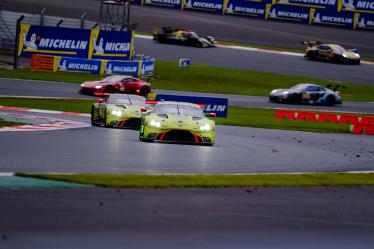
212	181
4	123
201	78
238	116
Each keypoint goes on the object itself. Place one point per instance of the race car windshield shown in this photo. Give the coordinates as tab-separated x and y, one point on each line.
126	101
338	49
113	79
298	87
179	109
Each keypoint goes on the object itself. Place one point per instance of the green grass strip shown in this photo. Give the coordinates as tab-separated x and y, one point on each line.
212	181
201	78
238	116
4	123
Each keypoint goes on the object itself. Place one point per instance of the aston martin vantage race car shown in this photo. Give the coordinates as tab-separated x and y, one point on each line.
177	122
116	84
183	37
307	93
331	53
118	110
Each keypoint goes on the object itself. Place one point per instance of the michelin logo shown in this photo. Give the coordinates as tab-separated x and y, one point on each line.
174	2
215	108
112	68
238	9
29	44
109	46
314	2
275	14
63	65
205	5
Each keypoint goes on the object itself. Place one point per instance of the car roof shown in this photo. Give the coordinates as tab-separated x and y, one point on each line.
306	85
177	103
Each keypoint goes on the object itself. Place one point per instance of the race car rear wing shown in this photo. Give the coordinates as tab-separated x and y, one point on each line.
311	43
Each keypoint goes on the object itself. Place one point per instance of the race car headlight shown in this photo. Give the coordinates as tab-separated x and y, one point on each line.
116	113
155	123
98	87
82	85
345	55
205	127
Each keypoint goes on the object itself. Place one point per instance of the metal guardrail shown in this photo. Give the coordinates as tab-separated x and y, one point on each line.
8	24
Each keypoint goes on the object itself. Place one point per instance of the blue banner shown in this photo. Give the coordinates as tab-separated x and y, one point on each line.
287	13
329	17
324	4
174	4
77	65
53	41
114	45
205	5
215	105
122	67
364	21
245	8
365	6
148	67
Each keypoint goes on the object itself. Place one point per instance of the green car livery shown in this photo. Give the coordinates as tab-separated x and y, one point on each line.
177	122
118	110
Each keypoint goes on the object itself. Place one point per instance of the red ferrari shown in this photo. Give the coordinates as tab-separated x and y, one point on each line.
116	84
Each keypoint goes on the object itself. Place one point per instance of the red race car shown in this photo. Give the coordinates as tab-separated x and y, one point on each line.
116	84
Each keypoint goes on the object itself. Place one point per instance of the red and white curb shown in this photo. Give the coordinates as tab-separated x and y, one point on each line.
262	50
23	109
42	123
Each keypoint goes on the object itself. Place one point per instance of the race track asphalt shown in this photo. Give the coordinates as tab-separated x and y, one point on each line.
237	150
258	218
227	28
19	87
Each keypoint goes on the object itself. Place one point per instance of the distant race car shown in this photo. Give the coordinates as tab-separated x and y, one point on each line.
116	84
331	53
183	37
307	93
177	122
118	110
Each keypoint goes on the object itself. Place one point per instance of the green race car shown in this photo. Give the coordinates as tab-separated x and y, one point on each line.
177	122
118	110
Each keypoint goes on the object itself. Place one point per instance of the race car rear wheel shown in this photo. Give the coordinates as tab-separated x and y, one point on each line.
144	92
93	123
330	100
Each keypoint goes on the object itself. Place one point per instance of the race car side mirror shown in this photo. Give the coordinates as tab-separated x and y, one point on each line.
212	114
143	109
99	101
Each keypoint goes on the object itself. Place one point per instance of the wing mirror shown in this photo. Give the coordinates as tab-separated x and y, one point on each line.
143	109
211	114
100	101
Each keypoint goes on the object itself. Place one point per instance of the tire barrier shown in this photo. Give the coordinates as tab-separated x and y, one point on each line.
359	125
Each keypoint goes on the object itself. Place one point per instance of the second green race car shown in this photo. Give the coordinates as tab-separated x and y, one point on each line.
177	122
118	110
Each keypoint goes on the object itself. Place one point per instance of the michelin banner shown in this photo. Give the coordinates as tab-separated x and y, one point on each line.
323	4
244	8
79	43
53	41
366	6
63	64
115	45
287	13
174	4
364	21
135	68
204	5
329	17
215	105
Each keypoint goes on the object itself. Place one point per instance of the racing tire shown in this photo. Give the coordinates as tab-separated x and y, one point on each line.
294	98
93	123
144	92
109	89
330	100
310	56
146	140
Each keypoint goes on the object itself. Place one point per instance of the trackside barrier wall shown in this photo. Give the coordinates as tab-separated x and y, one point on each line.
218	106
359	125
353	14
58	63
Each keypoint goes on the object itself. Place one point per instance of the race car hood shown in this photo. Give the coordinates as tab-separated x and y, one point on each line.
125	110
278	92
351	55
175	121
92	83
